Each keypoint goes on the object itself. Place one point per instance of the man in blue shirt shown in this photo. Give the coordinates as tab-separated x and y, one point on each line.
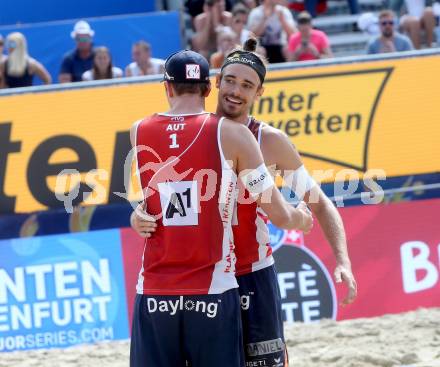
76	62
388	41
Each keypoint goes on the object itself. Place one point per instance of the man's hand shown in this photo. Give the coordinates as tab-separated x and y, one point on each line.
144	224
216	16
307	218
388	46
343	273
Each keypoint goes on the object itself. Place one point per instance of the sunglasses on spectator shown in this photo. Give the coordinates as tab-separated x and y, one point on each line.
11	44
304	21
83	38
387	22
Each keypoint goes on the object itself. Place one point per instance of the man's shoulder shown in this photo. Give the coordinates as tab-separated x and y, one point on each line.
230	125
374	44
272	133
295	37
318	33
374	39
284	9
402	38
70	55
257	12
144	120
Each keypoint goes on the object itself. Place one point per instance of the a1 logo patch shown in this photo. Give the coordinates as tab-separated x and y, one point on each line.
192	71
179	201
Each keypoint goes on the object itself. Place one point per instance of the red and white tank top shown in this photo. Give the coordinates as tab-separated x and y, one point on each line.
190	188
251	235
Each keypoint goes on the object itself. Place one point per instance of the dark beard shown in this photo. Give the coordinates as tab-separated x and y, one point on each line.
232	115
387	34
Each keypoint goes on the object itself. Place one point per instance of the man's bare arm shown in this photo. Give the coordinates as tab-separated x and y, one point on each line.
279	150
202	26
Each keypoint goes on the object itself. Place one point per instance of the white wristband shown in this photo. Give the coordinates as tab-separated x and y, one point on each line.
299	181
258	180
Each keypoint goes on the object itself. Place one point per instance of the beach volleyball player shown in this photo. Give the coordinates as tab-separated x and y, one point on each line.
187	307
240	83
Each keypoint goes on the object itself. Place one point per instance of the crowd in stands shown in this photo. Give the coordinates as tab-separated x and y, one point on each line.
84	63
284	29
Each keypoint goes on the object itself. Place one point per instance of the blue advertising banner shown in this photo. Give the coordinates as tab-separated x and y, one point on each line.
62	290
14	11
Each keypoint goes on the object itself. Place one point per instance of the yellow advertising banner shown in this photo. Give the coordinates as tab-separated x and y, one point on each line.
370	115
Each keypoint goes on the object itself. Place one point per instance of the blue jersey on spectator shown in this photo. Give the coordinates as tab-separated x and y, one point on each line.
401	43
74	65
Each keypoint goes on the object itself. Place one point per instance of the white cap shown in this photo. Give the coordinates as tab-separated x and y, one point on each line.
82	27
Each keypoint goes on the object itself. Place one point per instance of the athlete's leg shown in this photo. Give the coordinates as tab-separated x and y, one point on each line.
263	334
156	335
212	329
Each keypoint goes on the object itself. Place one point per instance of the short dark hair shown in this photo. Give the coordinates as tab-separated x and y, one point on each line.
386	13
190	88
304	18
145	45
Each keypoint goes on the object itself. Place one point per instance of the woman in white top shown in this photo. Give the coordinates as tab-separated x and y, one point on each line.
102	66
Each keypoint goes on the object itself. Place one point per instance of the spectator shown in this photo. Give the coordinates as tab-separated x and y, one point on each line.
274	24
143	63
102	66
388	41
308	43
206	25
226	41
18	68
239	20
79	60
417	19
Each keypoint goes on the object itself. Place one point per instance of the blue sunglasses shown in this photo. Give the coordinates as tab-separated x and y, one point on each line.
11	44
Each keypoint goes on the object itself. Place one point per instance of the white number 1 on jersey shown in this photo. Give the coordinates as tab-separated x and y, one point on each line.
173	144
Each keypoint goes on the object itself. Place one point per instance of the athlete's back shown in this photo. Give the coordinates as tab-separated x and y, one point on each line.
187	281
182	174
